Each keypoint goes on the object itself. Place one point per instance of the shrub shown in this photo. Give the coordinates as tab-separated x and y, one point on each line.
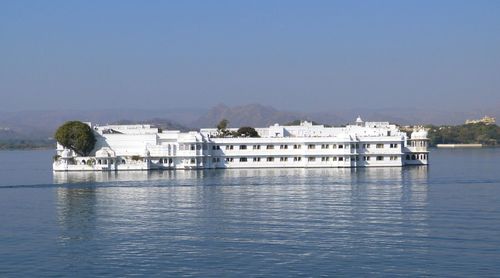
136	158
247	131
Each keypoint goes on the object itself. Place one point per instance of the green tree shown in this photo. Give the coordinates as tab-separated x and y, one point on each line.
76	136
222	128
247	131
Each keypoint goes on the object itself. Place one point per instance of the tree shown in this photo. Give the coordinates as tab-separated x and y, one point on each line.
222	128
223	124
247	131
76	136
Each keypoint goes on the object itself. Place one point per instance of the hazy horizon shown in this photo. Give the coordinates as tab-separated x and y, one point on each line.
293	55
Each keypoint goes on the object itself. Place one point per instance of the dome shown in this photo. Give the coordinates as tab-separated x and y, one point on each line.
359	120
67	153
105	152
419	134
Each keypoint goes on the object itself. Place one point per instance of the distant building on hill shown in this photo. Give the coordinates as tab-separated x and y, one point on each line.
485	120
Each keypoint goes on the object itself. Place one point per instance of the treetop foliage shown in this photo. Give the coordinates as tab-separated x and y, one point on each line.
76	136
247	131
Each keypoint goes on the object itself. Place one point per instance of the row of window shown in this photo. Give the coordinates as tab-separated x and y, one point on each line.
310	159
194	147
419	143
416	157
298	146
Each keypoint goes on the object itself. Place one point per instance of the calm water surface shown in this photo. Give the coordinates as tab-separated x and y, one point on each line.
440	220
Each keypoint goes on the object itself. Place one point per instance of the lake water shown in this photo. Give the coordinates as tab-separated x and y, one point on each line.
439	220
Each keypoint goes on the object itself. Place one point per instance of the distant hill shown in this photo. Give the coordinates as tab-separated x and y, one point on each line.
477	133
256	115
164	124
40	125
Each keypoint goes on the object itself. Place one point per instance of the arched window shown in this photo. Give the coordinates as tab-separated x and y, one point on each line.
83	161
123	161
407	157
413	157
99	161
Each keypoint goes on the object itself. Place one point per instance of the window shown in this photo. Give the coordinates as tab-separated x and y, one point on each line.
192	147
243	147
325	146
270	147
123	161
311	159
366	158
334	146
215	159
311	146
341	146
394	158
357	158
366	146
256	159
380	146
334	158
297	158
380	158
229	159
256	147
193	161
341	159
283	147
229	147
270	159
325	159
243	159
283	159
297	146
216	147
393	146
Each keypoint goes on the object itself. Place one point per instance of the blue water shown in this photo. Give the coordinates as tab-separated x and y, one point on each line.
440	220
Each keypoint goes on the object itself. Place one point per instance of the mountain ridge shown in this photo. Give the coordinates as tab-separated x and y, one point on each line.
42	124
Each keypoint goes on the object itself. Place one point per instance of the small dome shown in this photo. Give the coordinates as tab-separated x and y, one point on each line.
66	153
359	120
419	134
105	152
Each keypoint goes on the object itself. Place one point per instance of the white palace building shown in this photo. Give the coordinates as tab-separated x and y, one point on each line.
143	147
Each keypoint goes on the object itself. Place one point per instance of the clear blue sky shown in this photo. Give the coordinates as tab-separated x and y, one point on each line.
301	55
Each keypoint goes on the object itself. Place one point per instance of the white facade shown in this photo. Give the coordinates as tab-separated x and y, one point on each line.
142	147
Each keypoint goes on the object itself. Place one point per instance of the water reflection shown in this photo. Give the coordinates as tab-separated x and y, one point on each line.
389	174
319	213
76	213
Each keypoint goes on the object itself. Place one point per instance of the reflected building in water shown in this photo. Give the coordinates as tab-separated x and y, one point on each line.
188	199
